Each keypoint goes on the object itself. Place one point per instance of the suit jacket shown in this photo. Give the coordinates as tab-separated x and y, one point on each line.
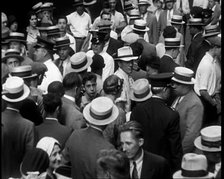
154	167
113	46
151	22
167	64
82	149
70	115
161	130
191	112
18	138
149	49
193	50
53	128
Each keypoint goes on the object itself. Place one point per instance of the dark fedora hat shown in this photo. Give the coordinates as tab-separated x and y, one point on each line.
78	3
161	79
128	6
44	43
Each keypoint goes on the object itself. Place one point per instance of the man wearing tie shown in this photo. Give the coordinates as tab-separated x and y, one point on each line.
143	164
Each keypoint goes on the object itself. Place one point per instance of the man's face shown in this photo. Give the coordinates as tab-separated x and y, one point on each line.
90	88
39	54
129	144
63	52
14	27
158	4
12	62
62	25
176	52
15	45
143	9
55	157
126	66
169	5
112	4
211	3
46	14
80	10
97	47
177	88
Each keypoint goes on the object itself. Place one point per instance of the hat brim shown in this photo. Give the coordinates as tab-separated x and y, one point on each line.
174	46
89	62
126	59
184	82
17	40
210	34
180	23
63	45
12	56
178	175
141	30
26	92
26	77
133	98
106	121
89	3
198	144
144	4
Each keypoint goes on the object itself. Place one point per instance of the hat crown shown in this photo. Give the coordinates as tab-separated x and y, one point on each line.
143	2
184	71
161	79
38	5
140	22
16	34
13	85
124	51
140	86
178	17
194	162
22	68
134	12
78	58
211	133
12	51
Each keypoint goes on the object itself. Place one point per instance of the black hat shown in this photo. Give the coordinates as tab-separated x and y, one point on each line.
78	3
161	79
207	13
169	32
43	43
98	37
196	12
35	160
153	62
64	170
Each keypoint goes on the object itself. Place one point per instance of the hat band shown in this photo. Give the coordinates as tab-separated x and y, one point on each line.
176	20
21	74
139	27
124	56
172	43
14	95
182	78
142	95
194	173
100	117
79	65
16	38
62	43
207	31
215	144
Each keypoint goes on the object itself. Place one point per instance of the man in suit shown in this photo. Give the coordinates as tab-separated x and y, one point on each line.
51	127
189	107
160	122
84	145
143	164
216	8
70	112
172	49
18	133
150	19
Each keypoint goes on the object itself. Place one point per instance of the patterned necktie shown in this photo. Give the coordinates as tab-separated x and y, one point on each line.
134	172
61	67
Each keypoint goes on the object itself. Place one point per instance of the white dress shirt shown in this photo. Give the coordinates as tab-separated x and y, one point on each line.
138	162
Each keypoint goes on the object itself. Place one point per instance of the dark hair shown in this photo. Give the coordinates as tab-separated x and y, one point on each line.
98	63
56	87
72	80
51	101
114	162
169	32
112	85
137	48
62	17
134	127
152	61
89	76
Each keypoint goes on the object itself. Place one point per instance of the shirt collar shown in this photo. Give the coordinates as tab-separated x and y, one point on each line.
196	35
94	127
168	55
213	9
140	159
69	97
51	118
13	109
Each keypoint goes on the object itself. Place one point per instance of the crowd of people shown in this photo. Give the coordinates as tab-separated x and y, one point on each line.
128	90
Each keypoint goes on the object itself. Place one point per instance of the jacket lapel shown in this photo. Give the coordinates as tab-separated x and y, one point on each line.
147	168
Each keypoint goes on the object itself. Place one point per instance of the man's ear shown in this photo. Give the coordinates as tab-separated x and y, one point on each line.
140	142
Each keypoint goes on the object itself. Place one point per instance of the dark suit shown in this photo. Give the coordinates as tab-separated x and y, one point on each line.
81	150
154	167
18	138
53	128
149	49
167	64
151	22
161	130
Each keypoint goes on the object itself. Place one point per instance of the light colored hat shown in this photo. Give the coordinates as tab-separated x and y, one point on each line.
128	6
134	14
193	166
210	139
125	54
17	37
172	42
183	75
47	144
24	71
195	22
101	111
37	6
80	62
89	2
12	53
140	25
14	89
141	90
177	19
211	30
130	38
144	2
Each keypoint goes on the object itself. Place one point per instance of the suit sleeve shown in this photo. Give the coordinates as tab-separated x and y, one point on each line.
165	171
216	15
174	139
154	32
30	137
193	126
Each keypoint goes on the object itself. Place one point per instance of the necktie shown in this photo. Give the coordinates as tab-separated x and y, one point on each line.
134	172
61	67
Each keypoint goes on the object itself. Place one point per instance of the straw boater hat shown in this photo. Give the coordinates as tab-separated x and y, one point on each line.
144	2
128	6
211	30
47	6
80	62
14	89
177	19
172	42
62	42
17	37
12	53
134	14
183	75
101	111
140	25
141	90
125	54
37	6
43	43
52	30
193	166
195	22
24	71
210	139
